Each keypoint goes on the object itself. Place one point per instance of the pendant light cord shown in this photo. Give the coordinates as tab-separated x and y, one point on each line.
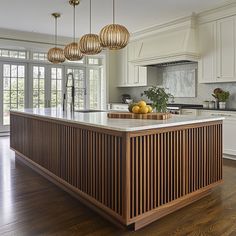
74	28
55	31
113	11
90	26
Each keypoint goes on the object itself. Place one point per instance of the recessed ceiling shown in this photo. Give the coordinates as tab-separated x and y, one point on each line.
34	16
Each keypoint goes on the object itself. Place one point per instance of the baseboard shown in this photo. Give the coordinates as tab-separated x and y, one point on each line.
4	134
230	157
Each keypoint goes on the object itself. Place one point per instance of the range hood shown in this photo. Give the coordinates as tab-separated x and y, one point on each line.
167	44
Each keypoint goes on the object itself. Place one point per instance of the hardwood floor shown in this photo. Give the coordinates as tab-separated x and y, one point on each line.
30	205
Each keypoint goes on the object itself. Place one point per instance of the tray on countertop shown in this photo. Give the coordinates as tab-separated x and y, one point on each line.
149	116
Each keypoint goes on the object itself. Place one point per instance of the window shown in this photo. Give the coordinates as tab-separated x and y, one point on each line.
40	56
80	87
13	89
94	88
13	54
95	61
38	86
56	87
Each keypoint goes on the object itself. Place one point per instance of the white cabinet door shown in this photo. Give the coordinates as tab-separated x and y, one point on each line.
226	50
229	131
121	68
142	75
207	43
137	75
190	112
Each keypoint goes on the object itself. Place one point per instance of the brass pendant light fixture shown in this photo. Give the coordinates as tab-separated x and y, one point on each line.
72	51
114	36
56	55
89	43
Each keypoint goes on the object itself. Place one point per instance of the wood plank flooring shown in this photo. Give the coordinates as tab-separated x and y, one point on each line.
30	205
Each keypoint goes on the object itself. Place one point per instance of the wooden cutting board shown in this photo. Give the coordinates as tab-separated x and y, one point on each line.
149	116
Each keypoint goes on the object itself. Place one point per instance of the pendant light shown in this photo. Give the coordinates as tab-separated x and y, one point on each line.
72	51
114	36
89	43
56	55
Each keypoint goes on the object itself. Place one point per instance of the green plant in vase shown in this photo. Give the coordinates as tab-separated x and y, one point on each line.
159	98
223	97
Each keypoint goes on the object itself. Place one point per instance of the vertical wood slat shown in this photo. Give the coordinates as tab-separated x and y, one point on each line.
76	155
181	162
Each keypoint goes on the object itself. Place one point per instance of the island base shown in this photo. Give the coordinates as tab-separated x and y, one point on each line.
131	178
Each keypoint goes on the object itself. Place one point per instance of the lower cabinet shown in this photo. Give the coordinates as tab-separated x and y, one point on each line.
191	112
229	129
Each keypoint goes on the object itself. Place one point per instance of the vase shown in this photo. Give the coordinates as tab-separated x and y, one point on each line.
222	105
206	104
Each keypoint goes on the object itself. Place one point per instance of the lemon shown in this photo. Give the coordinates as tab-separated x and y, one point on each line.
142	104
143	110
136	109
131	106
150	109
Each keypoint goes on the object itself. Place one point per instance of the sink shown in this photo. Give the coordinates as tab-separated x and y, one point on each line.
88	111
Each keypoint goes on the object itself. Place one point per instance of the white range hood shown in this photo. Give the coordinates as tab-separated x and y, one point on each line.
176	41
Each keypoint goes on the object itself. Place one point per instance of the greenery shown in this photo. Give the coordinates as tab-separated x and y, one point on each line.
159	97
216	93
223	96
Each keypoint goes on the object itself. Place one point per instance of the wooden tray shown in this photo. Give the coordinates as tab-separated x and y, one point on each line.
149	116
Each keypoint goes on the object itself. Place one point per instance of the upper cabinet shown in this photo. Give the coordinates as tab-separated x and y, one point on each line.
207	43
128	73
217	41
226	42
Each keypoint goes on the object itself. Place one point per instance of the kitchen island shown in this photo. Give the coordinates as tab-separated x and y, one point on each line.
132	172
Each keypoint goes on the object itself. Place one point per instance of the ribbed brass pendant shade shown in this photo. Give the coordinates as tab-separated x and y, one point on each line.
56	55
72	51
114	36
90	43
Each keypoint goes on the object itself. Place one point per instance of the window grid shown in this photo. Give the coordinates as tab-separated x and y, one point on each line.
94	88
13	89
13	54
38	86
40	56
56	87
79	76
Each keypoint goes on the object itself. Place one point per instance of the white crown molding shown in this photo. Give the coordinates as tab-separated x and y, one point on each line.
189	21
221	11
29	39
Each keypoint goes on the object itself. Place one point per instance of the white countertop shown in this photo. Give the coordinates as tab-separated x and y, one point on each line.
100	119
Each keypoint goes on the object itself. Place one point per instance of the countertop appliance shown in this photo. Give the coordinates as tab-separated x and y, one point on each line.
126	98
175	108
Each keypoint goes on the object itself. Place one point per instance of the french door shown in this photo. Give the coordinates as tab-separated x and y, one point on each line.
46	86
39	85
13	87
80	86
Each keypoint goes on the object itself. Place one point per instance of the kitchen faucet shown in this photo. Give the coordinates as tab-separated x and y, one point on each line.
70	86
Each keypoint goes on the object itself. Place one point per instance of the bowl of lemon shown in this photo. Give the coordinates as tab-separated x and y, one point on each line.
140	108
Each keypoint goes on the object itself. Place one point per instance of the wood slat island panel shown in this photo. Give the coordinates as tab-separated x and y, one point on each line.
132	178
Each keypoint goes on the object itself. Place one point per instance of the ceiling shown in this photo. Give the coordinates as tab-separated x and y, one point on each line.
34	16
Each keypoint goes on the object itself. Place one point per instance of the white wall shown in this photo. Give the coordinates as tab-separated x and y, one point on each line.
29	40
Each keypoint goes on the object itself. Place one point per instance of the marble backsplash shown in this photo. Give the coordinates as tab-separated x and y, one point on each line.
203	91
